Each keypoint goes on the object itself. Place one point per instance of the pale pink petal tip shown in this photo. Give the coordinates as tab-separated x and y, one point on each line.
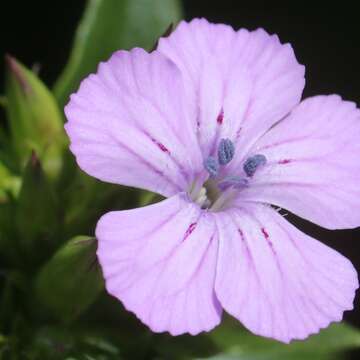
279	282
234	74
128	124
313	163
163	270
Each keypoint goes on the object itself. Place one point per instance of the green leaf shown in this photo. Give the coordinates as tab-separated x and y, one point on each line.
238	343
37	216
35	121
71	280
109	25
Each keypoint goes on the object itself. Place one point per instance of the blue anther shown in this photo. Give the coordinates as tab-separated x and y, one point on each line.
232	180
211	166
253	163
226	151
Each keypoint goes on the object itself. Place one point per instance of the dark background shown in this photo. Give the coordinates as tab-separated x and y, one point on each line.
325	37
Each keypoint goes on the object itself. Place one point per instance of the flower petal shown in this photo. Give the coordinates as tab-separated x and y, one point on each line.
277	281
163	270
128	124
313	166
233	77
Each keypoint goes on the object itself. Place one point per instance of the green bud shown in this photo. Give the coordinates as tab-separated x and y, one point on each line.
37	217
35	121
71	280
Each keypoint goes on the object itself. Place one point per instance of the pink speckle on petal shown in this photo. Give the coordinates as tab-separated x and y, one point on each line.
161	146
220	117
267	237
266	234
238	133
284	161
190	229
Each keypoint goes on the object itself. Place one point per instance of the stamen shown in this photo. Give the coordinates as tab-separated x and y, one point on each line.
226	151
211	166
201	197
236	181
253	163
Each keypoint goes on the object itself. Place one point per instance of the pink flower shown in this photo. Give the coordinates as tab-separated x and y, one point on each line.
212	120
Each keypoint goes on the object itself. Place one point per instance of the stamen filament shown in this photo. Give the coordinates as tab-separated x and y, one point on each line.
226	196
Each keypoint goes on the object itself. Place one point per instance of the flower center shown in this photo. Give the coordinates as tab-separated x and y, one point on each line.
219	190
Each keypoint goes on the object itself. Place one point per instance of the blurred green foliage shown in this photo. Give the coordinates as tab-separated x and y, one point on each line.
76	262
112	25
52	299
